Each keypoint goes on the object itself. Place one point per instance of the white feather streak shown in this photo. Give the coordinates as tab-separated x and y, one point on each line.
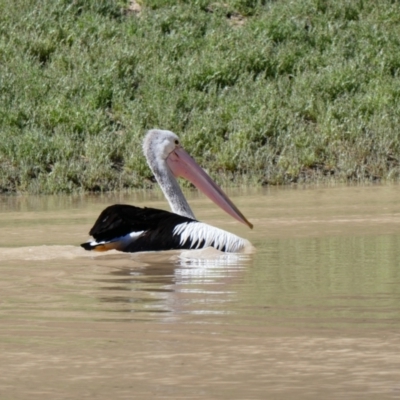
197	232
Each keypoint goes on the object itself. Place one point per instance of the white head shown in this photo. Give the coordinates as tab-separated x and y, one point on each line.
159	144
167	159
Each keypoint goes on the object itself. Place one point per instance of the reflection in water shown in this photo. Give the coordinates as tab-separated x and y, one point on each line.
177	285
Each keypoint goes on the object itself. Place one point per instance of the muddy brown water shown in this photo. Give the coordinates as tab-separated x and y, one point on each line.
313	313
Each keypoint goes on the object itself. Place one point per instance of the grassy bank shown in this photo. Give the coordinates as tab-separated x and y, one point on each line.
276	91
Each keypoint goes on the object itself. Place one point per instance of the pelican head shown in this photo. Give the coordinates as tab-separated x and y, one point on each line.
168	160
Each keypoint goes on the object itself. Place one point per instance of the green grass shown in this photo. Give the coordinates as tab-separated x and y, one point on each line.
267	92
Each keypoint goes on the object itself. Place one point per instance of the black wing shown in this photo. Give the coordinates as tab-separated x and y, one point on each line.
157	225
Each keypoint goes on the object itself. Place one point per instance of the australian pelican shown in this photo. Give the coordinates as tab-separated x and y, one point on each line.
133	229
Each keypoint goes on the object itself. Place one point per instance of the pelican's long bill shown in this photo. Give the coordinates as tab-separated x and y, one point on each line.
183	165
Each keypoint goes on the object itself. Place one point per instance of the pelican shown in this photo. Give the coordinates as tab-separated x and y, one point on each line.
133	229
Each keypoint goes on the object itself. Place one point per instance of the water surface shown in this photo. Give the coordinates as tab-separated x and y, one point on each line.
313	313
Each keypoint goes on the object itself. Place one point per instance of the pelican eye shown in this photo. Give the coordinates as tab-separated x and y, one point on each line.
176	141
